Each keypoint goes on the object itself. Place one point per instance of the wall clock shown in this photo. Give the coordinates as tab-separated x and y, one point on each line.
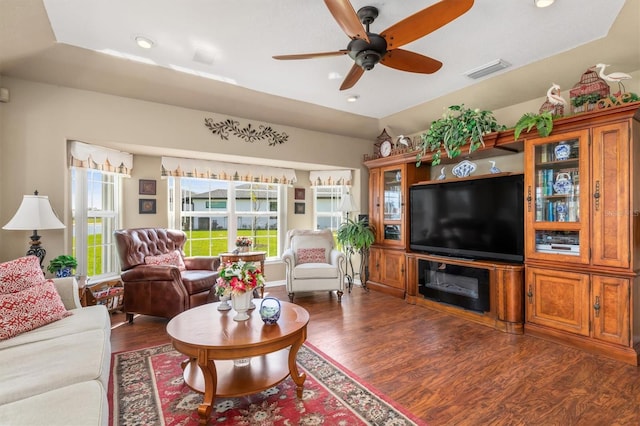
385	148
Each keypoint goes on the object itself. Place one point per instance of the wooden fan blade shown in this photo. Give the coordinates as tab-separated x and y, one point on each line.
410	61
311	55
352	78
424	22
346	16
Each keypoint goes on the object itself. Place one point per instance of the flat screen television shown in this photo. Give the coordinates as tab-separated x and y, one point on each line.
475	218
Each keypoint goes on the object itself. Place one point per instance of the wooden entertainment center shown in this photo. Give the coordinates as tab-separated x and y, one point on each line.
580	282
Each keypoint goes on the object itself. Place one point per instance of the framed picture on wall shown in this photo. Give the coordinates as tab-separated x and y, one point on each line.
298	208
147	187
298	194
147	206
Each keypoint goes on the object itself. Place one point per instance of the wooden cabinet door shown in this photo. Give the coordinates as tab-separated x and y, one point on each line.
558	300
374	264
393	268
557	197
610	204
392	212
374	202
610	310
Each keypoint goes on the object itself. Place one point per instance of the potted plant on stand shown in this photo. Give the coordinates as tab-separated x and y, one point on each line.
357	237
63	265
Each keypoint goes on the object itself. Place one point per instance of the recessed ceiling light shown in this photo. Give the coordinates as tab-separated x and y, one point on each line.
353	98
144	42
543	3
334	76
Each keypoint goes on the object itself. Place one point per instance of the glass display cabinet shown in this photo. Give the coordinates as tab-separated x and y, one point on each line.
555	205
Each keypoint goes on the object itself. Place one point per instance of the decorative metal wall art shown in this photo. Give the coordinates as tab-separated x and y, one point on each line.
248	133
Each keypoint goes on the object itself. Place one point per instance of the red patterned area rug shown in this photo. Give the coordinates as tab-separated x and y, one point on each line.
147	388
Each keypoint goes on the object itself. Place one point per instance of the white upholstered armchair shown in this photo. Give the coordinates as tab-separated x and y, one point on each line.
313	263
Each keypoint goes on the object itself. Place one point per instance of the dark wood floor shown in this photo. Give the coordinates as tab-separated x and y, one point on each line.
449	371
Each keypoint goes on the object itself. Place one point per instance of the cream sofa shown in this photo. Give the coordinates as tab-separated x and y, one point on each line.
58	374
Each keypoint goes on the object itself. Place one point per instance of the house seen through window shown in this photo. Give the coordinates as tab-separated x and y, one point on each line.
214	213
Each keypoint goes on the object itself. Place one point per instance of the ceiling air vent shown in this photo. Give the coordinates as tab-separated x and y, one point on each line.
487	69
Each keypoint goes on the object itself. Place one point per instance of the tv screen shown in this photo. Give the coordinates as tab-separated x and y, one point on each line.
477	218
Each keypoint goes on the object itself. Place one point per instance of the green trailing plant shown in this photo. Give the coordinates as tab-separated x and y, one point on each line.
543	122
61	262
457	127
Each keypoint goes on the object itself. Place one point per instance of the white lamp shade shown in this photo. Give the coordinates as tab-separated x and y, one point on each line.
34	213
348	204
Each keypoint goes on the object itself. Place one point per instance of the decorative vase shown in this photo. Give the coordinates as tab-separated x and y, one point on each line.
64	272
241	303
270	310
241	362
224	303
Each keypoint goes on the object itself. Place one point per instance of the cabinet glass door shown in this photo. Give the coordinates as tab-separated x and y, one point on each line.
557	169
392	203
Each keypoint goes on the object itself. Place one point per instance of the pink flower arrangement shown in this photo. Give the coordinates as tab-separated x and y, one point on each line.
237	278
244	242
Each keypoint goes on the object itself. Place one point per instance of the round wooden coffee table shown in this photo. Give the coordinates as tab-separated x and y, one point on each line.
212	340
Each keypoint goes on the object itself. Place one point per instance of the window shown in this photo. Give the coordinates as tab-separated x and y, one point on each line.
214	213
327	206
96	203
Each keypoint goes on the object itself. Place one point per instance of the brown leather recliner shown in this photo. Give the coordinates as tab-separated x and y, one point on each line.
162	290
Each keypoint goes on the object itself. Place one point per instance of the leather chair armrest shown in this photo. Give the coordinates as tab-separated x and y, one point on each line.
151	273
207	263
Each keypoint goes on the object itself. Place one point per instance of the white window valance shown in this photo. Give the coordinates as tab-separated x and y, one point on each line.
330	177
100	158
207	169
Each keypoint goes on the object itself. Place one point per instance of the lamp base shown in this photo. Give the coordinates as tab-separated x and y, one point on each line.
36	249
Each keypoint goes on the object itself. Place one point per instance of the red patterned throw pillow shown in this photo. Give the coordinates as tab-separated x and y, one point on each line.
19	274
172	258
31	308
311	255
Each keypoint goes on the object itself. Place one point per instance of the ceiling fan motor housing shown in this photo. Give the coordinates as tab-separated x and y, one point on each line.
367	55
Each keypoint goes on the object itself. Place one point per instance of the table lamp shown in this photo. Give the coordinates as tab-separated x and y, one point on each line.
35	213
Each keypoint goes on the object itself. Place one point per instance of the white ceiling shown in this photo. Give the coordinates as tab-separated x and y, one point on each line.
235	40
58	42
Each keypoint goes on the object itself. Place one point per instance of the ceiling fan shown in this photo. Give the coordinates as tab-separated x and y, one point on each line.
367	48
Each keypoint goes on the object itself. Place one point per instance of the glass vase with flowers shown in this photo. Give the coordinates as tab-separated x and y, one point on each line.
244	244
237	280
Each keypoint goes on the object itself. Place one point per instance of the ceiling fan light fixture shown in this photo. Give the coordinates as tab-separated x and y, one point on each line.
543	3
486	69
144	42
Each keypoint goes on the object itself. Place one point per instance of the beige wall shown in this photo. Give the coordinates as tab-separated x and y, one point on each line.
40	118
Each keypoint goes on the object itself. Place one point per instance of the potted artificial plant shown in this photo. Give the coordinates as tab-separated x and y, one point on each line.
63	265
357	236
457	127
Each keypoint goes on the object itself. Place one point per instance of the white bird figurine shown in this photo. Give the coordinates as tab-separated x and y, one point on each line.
443	175
403	140
614	77
493	168
553	95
